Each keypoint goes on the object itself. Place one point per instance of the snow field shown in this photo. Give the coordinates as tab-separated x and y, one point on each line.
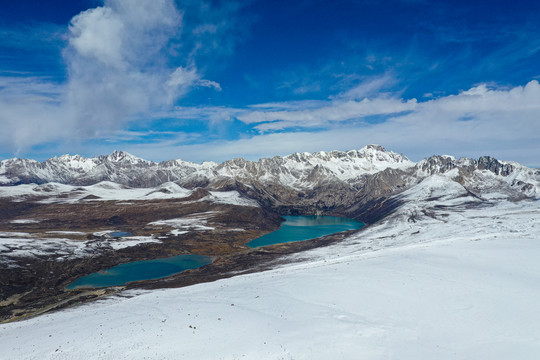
464	288
16	244
56	193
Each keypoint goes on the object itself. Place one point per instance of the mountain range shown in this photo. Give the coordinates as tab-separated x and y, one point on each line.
363	183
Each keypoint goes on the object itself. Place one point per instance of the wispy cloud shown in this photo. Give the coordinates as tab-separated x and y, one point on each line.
34	35
371	86
32	88
352	104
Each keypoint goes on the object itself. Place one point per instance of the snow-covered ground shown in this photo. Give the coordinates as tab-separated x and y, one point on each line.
230	197
436	280
193	222
25	245
19	244
128	241
25	221
61	193
104	191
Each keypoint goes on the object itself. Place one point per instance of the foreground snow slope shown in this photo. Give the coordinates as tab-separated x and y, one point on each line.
437	280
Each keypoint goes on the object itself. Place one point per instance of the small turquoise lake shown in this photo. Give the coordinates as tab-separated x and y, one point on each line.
299	228
119	234
140	270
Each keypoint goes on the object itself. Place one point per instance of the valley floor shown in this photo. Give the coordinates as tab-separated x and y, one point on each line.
438	284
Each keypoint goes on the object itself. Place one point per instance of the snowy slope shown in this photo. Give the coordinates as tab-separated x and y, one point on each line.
104	191
25	245
55	192
499	179
446	276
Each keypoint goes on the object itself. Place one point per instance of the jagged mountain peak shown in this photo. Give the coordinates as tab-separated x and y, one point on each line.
495	166
67	157
124	156
375	147
71	161
378	153
372	153
437	164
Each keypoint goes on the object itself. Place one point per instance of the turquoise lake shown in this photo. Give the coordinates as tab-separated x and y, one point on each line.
299	228
141	270
295	228
119	234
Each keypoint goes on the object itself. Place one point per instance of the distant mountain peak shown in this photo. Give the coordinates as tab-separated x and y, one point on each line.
123	156
374	147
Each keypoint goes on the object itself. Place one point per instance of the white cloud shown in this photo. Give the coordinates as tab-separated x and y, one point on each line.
118	60
504	123
181	80
97	34
37	88
475	103
117	63
209	84
330	112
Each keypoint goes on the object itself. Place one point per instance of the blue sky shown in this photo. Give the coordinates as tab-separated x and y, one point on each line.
220	79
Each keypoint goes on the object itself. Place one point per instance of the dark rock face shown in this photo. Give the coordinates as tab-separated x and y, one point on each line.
438	164
493	165
442	164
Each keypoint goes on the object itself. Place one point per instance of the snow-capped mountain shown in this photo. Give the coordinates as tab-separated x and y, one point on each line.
120	167
299	170
352	183
485	175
